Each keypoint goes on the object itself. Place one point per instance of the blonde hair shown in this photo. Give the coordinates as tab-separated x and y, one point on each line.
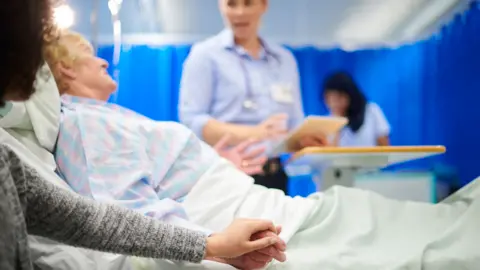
64	51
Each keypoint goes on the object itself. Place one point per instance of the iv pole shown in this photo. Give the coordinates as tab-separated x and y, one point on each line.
114	6
94	25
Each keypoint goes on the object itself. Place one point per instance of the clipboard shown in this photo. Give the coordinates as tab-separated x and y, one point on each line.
312	125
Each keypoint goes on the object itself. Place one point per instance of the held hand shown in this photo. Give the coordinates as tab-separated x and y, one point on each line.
274	251
260	258
238	239
250	162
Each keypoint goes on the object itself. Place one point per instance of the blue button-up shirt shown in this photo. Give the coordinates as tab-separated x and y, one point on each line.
215	84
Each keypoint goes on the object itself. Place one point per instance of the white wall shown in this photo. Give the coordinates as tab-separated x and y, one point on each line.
326	23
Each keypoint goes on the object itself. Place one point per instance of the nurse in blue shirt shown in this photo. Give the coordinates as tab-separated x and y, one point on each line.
367	125
240	84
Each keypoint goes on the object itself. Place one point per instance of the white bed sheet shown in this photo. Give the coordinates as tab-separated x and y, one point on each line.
346	228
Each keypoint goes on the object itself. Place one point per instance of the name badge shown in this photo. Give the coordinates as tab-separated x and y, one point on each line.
282	93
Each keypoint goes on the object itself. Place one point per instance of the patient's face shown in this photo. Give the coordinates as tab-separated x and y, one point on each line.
91	71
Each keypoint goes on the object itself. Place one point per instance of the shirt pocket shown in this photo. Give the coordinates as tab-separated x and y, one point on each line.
282	106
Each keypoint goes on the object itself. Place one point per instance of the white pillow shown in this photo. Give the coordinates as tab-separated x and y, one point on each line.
44	109
16	116
35	123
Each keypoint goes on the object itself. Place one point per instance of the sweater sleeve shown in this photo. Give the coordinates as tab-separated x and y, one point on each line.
69	218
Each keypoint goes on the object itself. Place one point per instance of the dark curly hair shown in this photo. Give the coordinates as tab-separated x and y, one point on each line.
344	83
26	26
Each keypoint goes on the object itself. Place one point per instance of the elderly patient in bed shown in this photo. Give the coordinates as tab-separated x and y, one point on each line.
163	170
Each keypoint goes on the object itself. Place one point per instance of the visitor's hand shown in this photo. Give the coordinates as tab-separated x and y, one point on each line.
242	237
273	127
312	140
260	258
248	159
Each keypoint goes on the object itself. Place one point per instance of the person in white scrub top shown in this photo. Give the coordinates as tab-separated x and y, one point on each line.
367	124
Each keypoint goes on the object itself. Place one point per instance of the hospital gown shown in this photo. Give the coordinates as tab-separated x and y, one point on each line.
112	154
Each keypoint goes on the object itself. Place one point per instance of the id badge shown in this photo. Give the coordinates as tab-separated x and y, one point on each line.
282	93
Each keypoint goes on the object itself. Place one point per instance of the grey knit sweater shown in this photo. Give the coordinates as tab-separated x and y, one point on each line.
29	203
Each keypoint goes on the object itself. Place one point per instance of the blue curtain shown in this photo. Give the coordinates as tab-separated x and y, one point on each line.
429	91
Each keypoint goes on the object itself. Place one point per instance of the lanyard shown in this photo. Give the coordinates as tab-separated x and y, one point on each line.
249	101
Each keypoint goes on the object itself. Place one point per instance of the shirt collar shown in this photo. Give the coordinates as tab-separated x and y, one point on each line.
227	41
69	99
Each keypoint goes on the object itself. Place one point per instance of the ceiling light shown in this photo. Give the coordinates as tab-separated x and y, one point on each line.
63	16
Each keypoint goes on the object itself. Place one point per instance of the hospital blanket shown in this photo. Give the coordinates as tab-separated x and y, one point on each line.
347	228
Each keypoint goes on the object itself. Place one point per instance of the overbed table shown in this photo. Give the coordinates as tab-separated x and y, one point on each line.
338	165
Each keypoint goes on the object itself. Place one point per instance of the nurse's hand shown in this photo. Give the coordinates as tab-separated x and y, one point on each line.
246	156
273	127
312	141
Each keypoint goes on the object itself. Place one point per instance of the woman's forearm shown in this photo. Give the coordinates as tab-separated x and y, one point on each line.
214	130
69	218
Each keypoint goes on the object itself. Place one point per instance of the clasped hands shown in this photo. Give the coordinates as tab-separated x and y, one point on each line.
249	157
247	244
245	156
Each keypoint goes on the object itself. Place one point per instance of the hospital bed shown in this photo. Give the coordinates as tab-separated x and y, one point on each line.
443	253
332	166
49	255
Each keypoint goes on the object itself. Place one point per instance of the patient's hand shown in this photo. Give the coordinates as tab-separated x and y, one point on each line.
245	262
250	161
